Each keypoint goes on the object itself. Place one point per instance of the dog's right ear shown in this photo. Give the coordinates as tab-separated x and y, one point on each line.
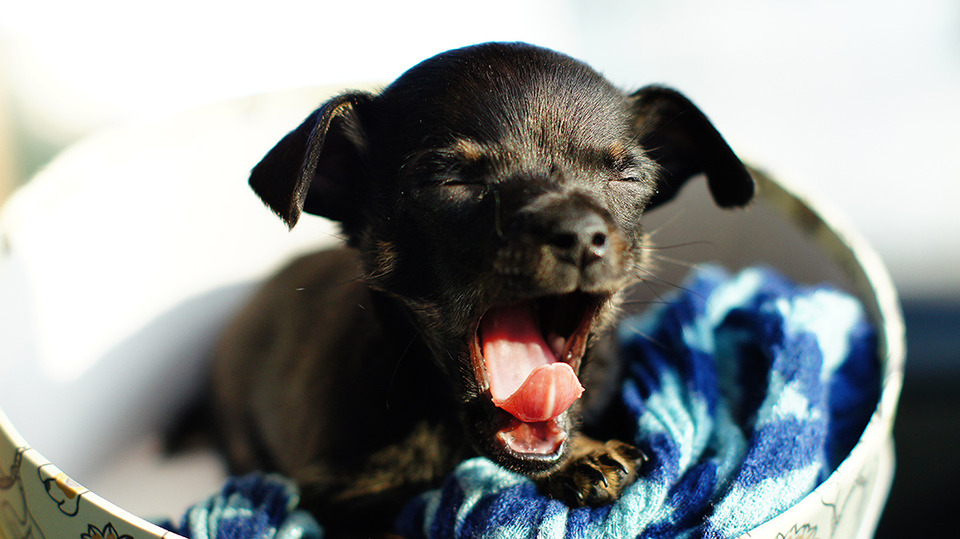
316	167
684	143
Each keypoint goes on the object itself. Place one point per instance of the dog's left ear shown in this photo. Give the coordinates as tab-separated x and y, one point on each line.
684	143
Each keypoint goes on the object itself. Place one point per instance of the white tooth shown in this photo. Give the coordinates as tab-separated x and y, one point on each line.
557	344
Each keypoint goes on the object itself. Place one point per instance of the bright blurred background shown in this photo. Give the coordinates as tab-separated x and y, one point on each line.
860	99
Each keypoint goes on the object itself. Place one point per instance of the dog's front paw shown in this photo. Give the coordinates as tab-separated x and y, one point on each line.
596	474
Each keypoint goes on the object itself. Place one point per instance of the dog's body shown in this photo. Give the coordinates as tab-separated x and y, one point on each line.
491	200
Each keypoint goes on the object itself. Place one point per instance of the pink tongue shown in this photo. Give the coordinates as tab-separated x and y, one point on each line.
526	379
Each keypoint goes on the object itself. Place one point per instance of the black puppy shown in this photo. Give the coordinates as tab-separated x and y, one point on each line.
491	201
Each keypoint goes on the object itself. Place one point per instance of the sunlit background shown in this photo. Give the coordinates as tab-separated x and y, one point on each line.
860	99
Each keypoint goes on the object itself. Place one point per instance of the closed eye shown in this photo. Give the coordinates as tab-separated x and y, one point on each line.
455	190
630	175
635	173
453	183
449	182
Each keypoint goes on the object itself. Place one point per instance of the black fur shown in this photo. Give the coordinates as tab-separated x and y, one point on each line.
482	177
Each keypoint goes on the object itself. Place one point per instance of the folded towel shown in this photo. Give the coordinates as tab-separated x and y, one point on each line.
746	391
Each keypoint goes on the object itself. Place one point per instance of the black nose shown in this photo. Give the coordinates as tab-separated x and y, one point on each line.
579	238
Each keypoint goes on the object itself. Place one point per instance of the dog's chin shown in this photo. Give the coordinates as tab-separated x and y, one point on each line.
532	449
526	358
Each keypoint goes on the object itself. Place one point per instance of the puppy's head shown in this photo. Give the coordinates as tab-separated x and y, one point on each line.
497	192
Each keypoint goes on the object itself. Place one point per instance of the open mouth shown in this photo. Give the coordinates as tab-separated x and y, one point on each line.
529	355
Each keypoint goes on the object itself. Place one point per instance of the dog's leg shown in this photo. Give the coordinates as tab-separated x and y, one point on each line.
595	474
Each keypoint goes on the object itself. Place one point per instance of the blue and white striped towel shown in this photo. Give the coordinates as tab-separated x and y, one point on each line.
746	392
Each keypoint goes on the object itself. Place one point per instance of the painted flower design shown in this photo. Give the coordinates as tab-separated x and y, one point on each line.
803	532
66	492
108	532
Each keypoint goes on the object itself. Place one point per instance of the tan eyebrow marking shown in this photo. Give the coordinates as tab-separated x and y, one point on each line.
469	150
617	151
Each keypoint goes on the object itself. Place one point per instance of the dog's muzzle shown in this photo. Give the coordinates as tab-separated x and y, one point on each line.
562	260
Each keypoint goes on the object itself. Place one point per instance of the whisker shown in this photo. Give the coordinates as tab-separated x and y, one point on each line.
647	247
339	236
337	284
631	302
666	283
675	261
665	224
497	210
636	331
396	369
649	285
